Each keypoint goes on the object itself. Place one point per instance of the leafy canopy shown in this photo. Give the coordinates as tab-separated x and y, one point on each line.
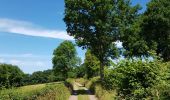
92	64
65	58
156	27
97	24
10	76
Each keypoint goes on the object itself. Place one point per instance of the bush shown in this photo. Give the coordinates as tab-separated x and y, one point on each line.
163	90
135	79
10	76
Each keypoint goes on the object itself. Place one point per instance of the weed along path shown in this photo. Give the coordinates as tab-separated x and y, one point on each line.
81	93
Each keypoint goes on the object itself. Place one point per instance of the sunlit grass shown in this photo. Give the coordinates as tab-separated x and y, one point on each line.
83	97
54	91
21	92
30	88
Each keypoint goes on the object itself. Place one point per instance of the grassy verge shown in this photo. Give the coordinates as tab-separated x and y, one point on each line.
54	91
82	81
96	87
81	92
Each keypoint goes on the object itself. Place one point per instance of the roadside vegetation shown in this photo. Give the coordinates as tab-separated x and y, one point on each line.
54	91
142	73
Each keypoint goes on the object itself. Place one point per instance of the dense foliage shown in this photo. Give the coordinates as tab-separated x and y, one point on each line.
148	32
133	80
10	76
156	27
92	65
95	25
65	58
137	79
40	77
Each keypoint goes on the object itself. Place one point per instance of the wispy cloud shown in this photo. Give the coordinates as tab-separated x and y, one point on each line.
25	55
31	29
26	63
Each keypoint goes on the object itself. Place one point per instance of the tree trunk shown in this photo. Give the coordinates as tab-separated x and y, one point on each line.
101	71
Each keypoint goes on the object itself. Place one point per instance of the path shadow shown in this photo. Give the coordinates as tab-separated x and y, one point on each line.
82	92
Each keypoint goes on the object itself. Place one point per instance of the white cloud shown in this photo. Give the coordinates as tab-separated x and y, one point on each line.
26	55
26	63
28	28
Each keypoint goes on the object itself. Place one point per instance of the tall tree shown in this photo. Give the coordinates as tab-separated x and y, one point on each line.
156	27
65	58
91	64
129	29
133	43
94	24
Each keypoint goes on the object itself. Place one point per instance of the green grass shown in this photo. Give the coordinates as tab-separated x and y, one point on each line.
83	97
54	91
99	91
21	92
103	94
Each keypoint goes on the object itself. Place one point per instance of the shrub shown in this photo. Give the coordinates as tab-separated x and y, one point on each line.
10	76
163	89
135	79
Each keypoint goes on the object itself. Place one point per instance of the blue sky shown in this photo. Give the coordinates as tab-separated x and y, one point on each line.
31	29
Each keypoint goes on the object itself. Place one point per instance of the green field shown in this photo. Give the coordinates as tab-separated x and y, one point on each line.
52	91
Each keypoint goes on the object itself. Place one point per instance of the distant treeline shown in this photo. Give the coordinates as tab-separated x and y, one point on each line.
12	76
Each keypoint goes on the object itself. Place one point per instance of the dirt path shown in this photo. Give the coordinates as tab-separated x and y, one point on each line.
81	93
74	94
90	95
73	97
